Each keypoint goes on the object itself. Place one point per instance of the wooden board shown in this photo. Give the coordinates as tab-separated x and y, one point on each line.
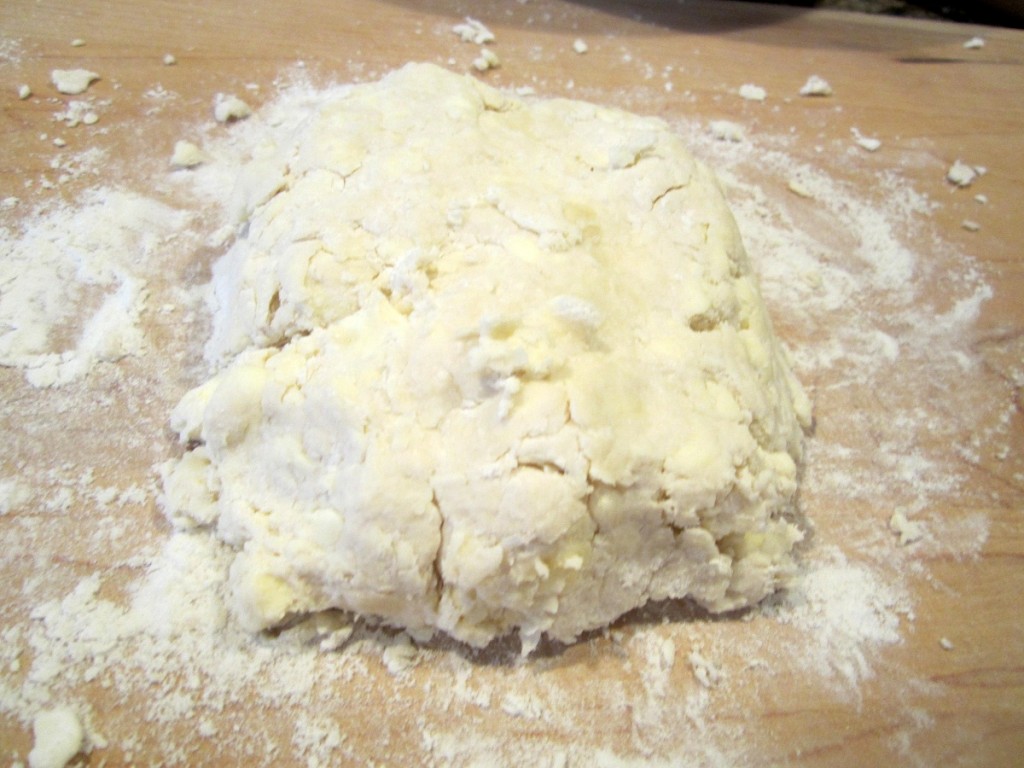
911	84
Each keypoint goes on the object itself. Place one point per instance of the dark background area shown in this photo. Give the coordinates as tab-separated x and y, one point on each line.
1004	13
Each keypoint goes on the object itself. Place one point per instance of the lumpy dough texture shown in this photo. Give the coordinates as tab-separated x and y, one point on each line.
488	365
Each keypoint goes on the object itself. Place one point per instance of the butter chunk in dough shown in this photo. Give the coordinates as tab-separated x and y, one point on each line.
487	365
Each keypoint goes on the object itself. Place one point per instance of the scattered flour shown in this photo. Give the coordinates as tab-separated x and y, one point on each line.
75	284
11	52
845	612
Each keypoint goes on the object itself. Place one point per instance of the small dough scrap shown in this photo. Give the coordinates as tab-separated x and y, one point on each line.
487	59
187	155
867	143
58	737
751	92
961	174
726	130
488	365
799	188
909	531
816	86
228	108
72	81
473	31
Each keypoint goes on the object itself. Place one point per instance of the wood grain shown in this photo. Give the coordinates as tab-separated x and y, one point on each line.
910	83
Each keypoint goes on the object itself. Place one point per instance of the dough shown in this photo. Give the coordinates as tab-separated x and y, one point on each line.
486	365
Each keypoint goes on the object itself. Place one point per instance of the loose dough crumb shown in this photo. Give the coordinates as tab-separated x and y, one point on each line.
816	86
170	59
799	189
187	155
487	59
946	644
961	174
909	531
970	225
865	142
726	130
24	91
580	45
473	31
76	113
228	108
975	42
77	42
751	92
72	81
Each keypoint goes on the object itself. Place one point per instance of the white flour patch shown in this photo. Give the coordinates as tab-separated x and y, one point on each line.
846	613
74	284
86	293
11	52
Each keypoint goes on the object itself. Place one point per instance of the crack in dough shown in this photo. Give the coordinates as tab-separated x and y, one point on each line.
487	365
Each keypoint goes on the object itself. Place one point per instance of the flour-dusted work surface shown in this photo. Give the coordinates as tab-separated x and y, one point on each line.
879	209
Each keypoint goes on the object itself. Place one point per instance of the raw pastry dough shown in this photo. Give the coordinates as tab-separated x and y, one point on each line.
488	365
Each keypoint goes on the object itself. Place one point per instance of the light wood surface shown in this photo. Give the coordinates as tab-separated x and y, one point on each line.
911	84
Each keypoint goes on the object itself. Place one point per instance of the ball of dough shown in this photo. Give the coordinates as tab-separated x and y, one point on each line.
488	365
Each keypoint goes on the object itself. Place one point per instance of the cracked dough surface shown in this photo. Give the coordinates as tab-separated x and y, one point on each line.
488	365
